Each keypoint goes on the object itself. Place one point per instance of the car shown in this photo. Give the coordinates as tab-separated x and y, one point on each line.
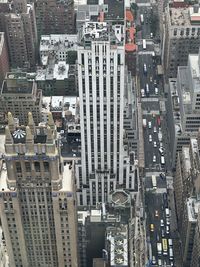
152	227
162	223
156	90
149	124
170	242
167	229
161	151
150	138
171	263
154	129
151	35
159	262
153	260
167	221
162	232
155	82
156	213
155	144
151	79
145	68
154	158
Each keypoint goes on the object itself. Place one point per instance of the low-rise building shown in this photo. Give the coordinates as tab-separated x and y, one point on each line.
57	79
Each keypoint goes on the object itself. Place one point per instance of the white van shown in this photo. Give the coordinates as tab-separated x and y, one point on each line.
162	159
159	262
171	254
149	124
167	213
156	90
150	138
170	242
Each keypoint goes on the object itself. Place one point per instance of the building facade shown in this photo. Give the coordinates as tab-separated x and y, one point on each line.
181	36
4	60
19	95
105	164
55	17
37	198
184	105
19	25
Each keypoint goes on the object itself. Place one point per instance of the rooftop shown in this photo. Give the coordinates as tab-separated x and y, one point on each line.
17	83
102	31
118	238
59	71
193	206
184	16
186	156
67	182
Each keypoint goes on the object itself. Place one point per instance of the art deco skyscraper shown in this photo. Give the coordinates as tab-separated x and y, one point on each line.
101	72
37	200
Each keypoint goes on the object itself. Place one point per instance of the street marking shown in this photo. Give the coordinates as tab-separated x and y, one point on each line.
149	99
143	4
146	53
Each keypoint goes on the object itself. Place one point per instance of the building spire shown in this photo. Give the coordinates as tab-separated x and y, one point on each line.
49	136
11	123
31	123
29	136
9	139
51	121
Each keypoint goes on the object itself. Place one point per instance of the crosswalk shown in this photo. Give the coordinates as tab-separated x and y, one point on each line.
150	99
145	53
143	4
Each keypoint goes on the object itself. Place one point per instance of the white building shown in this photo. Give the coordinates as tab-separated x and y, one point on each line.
101	78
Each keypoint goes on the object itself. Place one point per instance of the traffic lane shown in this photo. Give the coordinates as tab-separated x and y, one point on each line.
153	204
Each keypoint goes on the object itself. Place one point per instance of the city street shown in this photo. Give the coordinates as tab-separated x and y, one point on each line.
156	149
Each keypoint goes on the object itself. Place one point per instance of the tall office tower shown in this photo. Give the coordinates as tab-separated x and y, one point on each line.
184	105
19	95
55	17
101	71
181	35
4	60
37	198
19	24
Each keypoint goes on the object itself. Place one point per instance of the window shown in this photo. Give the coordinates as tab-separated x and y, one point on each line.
18	167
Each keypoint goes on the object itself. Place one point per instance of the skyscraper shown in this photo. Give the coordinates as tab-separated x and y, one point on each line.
37	200
19	24
101	77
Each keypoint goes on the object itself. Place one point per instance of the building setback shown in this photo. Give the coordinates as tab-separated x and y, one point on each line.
19	95
37	198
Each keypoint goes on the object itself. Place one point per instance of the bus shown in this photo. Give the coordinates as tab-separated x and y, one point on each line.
154	182
144	44
142	19
164	246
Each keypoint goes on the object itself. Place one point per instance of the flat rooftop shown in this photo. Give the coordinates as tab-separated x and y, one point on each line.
184	16
102	31
115	10
186	156
193	206
67	182
17	83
